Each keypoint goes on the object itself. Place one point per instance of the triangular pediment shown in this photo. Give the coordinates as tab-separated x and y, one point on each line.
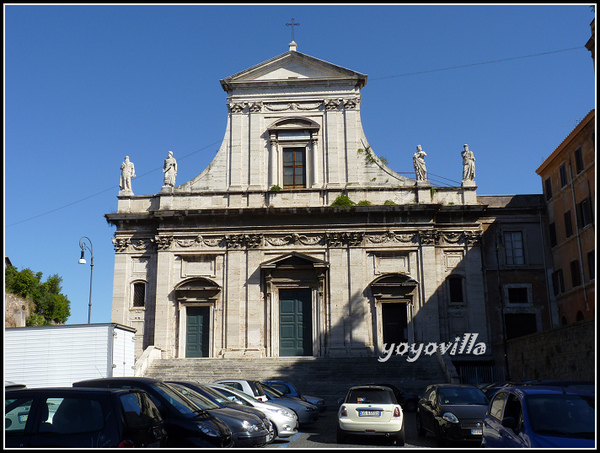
293	66
294	260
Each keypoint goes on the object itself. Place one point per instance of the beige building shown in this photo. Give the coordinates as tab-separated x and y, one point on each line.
258	256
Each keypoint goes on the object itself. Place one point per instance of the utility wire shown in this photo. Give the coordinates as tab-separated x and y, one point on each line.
375	78
476	64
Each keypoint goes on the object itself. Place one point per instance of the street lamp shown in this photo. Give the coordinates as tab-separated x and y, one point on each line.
84	246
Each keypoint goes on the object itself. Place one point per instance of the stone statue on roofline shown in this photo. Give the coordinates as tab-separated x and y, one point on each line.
419	164
127	172
170	170
468	164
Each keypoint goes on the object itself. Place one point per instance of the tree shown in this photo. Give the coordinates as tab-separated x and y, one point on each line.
51	306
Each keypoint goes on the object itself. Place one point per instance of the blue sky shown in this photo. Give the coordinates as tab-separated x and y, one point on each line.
86	85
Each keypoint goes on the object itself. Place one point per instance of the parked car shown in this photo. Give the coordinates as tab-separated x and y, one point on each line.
407	400
187	425
586	386
221	401
252	388
285	422
452	413
536	416
307	413
289	389
81	418
490	389
247	430
371	410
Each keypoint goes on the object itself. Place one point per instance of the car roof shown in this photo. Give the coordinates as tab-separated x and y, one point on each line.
371	386
70	390
546	390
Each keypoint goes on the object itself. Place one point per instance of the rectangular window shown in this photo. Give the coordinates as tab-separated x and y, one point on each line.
591	258
563	175
584	212
553	240
548	188
518	295
294	167
568	224
578	161
575	273
513	243
558	282
455	285
139	294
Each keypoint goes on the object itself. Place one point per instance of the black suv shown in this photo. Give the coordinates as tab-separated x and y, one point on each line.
187	425
83	418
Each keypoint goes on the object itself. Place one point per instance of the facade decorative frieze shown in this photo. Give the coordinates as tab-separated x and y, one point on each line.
285	106
163	242
239	241
429	237
473	237
121	244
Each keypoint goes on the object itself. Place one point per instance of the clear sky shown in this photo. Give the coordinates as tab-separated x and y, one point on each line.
86	85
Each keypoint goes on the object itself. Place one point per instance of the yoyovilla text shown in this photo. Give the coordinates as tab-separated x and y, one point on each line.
464	345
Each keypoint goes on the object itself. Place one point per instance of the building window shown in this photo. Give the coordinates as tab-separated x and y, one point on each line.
139	295
548	188
568	224
553	240
455	286
294	167
578	160
513	243
575	273
563	175
584	212
518	295
591	258
558	282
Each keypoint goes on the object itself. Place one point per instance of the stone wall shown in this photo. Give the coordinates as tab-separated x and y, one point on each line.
16	311
564	353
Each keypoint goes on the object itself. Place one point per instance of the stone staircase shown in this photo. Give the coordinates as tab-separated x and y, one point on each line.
325	377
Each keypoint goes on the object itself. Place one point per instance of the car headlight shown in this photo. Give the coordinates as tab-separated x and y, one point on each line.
450	417
208	430
251	428
283	412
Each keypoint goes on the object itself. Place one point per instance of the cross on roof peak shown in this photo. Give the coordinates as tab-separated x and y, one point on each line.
291	24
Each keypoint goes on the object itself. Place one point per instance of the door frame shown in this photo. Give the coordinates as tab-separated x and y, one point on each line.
182	350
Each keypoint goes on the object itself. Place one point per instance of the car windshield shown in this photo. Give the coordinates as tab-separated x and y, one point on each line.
562	415
461	395
370	395
235	395
218	397
271	392
199	400
178	401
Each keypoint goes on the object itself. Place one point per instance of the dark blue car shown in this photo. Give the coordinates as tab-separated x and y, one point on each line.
540	417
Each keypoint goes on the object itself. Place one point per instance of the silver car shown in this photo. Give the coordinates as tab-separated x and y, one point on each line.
285	422
252	388
307	413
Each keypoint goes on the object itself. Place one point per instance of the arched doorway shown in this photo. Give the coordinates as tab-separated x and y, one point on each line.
197	298
393	295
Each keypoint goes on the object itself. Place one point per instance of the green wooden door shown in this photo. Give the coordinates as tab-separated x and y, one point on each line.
198	327
295	322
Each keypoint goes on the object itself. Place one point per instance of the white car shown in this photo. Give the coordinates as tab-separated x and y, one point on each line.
371	410
252	388
285	421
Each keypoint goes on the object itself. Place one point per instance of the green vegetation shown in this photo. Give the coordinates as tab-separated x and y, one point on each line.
364	203
389	203
343	201
51	307
275	188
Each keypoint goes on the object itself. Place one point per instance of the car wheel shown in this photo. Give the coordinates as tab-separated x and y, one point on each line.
400	437
441	441
420	430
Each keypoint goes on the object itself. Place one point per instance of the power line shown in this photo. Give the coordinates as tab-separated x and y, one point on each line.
102	191
476	64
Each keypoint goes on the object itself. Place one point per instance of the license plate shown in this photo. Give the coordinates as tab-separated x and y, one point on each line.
476	432
369	413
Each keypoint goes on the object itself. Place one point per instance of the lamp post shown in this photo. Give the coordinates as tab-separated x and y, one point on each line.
85	246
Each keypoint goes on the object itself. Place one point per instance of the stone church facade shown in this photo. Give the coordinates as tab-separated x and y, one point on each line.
255	258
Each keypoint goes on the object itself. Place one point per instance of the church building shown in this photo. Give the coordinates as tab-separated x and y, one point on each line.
297	239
